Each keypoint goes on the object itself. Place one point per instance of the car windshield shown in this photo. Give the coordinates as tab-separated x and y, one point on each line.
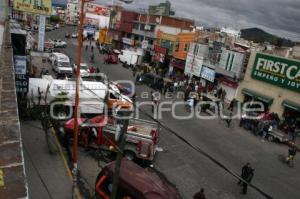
83	66
64	64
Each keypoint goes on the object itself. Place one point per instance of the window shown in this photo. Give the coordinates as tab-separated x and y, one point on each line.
136	26
176	46
112	96
186	47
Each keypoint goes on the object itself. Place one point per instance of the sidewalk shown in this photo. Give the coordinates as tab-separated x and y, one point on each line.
47	174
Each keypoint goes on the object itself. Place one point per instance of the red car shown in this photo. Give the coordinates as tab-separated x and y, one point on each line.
135	183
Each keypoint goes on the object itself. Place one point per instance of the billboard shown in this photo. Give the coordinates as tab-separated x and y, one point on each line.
278	71
42	7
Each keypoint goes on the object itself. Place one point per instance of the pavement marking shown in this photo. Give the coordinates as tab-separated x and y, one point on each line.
1	178
65	161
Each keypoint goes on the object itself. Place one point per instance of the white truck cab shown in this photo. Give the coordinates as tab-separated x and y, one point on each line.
61	64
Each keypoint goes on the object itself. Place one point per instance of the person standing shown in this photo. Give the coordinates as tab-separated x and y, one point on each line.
248	178
245	169
200	194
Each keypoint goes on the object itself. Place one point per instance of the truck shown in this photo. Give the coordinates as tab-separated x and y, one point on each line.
93	95
130	57
102	132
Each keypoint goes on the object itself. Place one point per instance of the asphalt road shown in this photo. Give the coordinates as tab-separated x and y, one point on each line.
188	169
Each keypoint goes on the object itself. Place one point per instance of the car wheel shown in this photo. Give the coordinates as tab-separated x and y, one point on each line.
271	138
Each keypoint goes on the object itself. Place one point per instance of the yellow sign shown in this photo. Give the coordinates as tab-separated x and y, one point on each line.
42	7
1	178
102	35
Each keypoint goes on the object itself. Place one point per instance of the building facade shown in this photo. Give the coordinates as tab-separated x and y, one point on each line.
273	80
72	12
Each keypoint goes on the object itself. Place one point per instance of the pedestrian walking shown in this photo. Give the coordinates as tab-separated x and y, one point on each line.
248	178
92	48
229	119
200	194
245	169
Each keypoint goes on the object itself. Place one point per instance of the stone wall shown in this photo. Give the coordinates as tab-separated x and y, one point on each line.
12	172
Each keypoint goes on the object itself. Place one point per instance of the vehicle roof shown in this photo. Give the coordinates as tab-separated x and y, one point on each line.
150	184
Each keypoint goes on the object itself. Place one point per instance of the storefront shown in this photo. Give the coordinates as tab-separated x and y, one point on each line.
229	86
273	80
177	66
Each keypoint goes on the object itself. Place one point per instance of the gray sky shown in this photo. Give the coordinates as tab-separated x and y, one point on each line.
280	17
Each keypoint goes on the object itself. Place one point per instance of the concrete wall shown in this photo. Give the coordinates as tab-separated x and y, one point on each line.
277	93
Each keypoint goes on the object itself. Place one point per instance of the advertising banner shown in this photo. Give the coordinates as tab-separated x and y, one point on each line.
42	7
41	33
277	71
208	74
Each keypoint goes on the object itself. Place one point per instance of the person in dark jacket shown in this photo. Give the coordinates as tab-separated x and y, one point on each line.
245	170
200	194
248	178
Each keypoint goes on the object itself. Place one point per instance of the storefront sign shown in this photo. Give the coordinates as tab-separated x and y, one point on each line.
208	74
42	7
278	71
20	65
160	49
128	41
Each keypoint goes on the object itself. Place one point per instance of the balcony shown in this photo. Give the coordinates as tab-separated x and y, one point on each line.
144	33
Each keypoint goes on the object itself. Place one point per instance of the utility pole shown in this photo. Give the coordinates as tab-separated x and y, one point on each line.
76	114
124	120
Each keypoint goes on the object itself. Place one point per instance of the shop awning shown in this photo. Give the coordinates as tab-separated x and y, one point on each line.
257	96
291	105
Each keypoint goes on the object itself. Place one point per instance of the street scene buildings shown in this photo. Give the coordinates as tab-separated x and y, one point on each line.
107	100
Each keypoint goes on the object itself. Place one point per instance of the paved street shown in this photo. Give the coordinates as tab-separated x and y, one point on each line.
188	169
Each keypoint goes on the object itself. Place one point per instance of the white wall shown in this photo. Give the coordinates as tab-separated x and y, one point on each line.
236	58
168	29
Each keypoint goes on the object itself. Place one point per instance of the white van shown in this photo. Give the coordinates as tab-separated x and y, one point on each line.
130	57
61	64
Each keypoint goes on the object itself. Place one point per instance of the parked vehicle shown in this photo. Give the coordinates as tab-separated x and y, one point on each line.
84	69
74	35
130	58
48	46
49	27
152	80
61	64
59	44
102	132
135	183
